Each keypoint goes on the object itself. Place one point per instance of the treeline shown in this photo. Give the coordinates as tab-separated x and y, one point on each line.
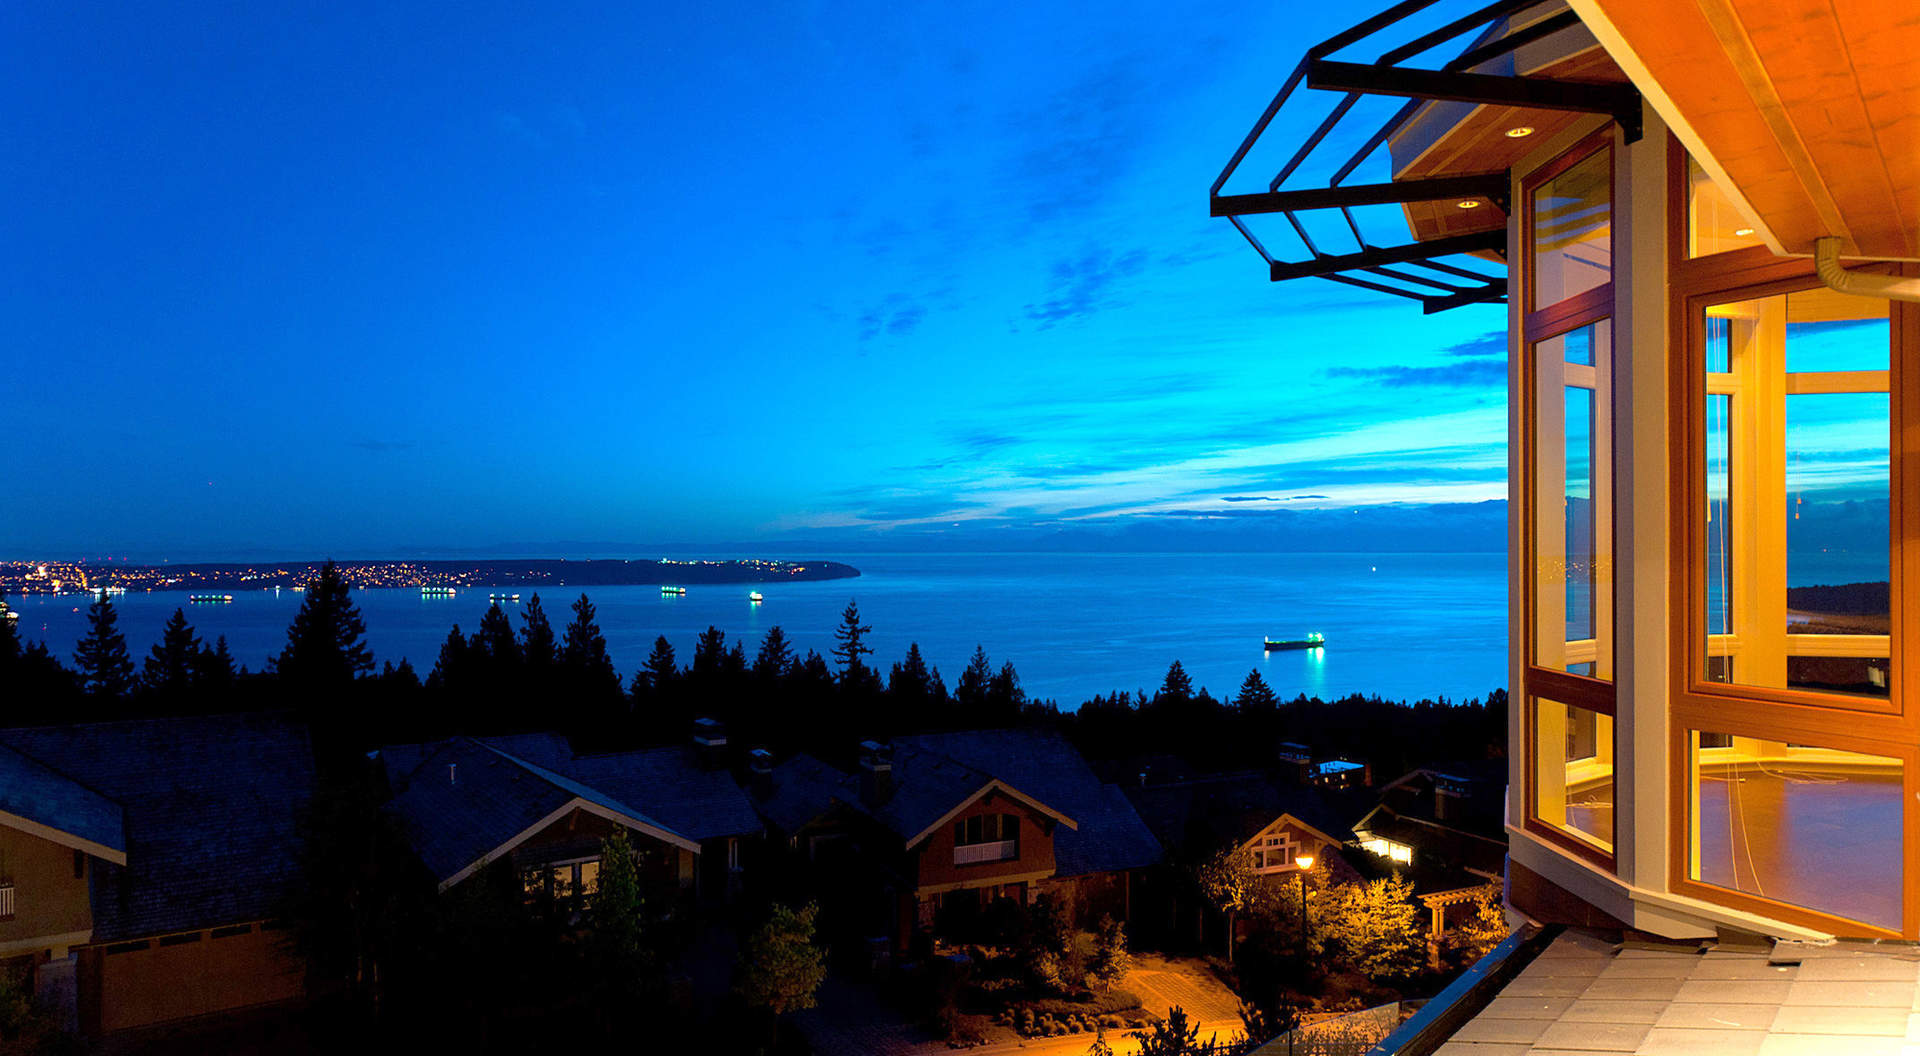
518	672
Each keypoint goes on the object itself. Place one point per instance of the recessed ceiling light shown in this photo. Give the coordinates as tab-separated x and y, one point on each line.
1470	203
1743	232
1520	132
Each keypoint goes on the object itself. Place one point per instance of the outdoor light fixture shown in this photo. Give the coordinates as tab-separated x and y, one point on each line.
1470	203
1305	860
1520	132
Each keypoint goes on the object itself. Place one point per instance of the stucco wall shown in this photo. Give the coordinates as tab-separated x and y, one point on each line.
47	899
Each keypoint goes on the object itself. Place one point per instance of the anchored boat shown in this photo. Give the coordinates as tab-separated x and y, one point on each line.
1316	640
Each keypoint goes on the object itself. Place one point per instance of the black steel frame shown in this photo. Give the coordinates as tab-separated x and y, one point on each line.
1437	285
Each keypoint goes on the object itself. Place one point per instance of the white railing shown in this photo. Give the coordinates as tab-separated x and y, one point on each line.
996	851
6	901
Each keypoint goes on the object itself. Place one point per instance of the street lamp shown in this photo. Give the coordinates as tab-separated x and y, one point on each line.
1305	862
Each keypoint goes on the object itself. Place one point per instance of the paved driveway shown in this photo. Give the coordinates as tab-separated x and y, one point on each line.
851	1019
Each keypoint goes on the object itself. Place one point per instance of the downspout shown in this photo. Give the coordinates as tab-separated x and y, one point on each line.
1826	263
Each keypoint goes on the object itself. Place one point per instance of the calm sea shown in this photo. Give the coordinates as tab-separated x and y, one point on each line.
1404	626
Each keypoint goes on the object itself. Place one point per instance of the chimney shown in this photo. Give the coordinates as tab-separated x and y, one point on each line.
1449	793
876	772
710	743
452	779
760	772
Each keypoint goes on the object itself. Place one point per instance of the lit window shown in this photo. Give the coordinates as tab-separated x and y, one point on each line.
1573	771
1271	854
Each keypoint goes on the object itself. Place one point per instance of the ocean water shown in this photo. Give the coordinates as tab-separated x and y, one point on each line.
1404	626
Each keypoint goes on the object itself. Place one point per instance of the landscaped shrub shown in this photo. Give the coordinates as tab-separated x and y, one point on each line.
960	1029
1097	1004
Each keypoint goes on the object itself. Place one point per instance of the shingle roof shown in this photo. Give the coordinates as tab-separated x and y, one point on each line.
803	788
1110	837
30	791
210	807
468	800
669	784
1197	817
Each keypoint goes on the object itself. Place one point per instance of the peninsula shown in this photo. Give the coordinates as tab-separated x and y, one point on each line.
53	577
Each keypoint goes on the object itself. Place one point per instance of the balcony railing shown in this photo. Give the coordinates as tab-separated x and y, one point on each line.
977	853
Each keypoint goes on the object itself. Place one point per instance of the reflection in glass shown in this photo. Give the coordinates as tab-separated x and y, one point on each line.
1714	223
1790	822
1796	439
1573	230
1573	771
1572	504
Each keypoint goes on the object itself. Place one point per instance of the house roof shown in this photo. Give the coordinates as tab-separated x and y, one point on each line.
1197	817
1110	836
209	806
671	785
467	803
52	806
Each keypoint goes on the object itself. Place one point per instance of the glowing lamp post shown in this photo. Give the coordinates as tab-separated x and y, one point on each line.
1305	862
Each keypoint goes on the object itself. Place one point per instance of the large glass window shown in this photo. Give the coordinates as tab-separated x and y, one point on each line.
1572	504
1714	223
1797	540
1572	225
1813	827
1573	771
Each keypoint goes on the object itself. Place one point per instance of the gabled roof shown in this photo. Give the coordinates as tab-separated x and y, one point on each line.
468	803
671	785
209	806
1197	817
54	807
1110	835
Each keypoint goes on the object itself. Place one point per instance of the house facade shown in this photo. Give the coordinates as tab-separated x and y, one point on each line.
1703	222
141	864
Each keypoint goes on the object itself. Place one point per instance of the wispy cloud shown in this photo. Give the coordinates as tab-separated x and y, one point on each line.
1084	284
1468	373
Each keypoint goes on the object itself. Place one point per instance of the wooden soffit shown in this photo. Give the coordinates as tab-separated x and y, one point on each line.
1806	112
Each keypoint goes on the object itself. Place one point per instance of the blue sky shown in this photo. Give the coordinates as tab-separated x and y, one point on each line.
351	279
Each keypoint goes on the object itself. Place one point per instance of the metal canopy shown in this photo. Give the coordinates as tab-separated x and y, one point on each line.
1413	271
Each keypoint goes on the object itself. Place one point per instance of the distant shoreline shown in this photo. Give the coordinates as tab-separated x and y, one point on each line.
24	578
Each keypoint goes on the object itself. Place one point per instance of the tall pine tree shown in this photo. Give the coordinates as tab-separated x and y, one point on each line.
775	657
1255	696
851	638
583	652
536	641
101	658
327	642
170	666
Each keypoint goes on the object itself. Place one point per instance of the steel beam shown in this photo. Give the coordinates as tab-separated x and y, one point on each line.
1493	291
1479	242
1488	185
1619	101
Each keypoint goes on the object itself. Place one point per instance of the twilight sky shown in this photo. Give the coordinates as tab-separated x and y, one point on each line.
339	278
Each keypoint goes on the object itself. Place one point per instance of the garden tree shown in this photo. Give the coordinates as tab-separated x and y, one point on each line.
101	658
851	645
775	656
583	654
1255	696
1111	960
1377	927
620	942
1046	946
1227	880
1177	688
360	899
1484	928
972	690
327	641
781	967
169	666
537	646
1172	1036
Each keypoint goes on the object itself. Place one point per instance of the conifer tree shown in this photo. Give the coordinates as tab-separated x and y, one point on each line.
170	665
536	640
583	651
734	666
775	656
975	682
101	658
660	673
851	636
709	655
1005	695
327	642
9	639
910	681
495	638
1255	695
781	966
213	669
450	669
1177	688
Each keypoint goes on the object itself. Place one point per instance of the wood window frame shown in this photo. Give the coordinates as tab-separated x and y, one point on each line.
1581	310
1889	728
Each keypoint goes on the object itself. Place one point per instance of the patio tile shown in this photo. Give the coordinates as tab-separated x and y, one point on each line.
1601	1010
1863	993
1474	1048
1681	1041
1718	1016
1828	1045
1594	1037
1653	968
1754	968
1638	989
1510	1007
1812	1019
1522	1031
1861	966
1734	991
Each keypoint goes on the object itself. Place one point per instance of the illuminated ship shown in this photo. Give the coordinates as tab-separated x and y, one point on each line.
754	596
437	592
672	592
211	598
1316	640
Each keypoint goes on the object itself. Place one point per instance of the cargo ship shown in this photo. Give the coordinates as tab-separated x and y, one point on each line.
210	598
503	597
1316	640
437	592
672	592
754	597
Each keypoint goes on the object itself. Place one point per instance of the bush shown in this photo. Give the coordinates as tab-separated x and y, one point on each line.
1099	1004
960	1029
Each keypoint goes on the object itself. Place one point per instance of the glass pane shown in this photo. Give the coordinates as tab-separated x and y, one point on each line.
1573	230
1798	464
1784	821
1573	504
1714	224
1573	770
